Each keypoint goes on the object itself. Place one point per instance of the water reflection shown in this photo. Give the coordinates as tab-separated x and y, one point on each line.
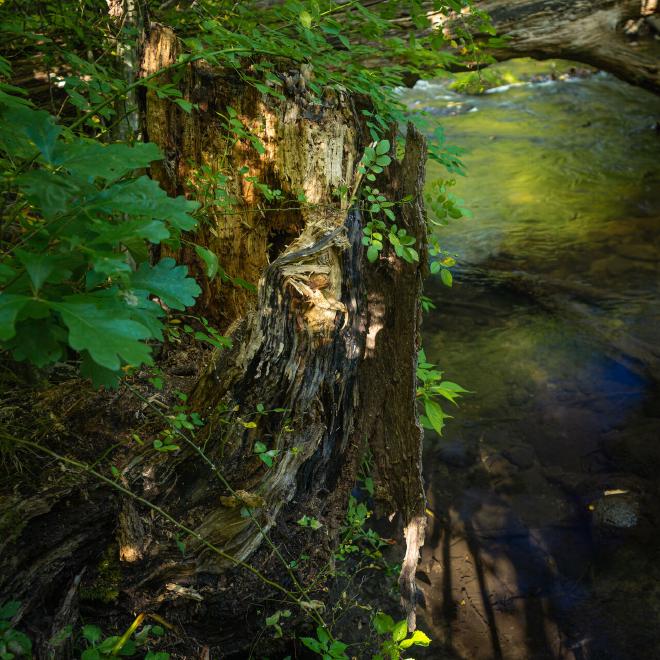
554	323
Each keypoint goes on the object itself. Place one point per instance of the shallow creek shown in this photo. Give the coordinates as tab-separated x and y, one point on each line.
544	486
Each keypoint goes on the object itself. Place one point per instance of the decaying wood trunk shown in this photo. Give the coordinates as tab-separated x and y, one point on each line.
328	340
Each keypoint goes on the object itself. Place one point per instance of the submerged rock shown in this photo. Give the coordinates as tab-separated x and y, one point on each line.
520	455
457	453
617	509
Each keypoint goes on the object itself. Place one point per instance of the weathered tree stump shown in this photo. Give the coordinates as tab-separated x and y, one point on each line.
328	340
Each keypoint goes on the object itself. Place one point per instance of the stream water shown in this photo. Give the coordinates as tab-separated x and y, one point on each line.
544	486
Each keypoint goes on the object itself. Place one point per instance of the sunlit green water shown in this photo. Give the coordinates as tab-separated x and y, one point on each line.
559	171
554	324
564	184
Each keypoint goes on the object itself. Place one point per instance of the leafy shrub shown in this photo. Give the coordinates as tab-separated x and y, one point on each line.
13	643
77	224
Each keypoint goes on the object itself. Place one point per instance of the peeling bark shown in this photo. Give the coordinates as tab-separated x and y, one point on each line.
308	151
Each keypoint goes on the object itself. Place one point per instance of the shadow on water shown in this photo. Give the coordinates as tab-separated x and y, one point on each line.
544	493
544	486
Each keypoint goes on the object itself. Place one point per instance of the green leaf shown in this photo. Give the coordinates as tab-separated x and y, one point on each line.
209	258
146	312
266	458
181	546
167	281
186	106
446	277
217	340
143	197
129	648
91	633
337	648
452	387
125	232
40	266
309	521
399	631
90	654
238	281
264	89
435	415
305	19
49	192
311	643
448	390
7	97
383	623
322	635
137	248
100	376
410	255
91	158
10	306
10	609
108	644
418	638
382	147
372	253
7	273
107	336
18	642
40	341
41	128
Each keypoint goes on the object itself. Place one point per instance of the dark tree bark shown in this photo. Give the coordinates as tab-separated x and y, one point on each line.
618	36
328	337
613	35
